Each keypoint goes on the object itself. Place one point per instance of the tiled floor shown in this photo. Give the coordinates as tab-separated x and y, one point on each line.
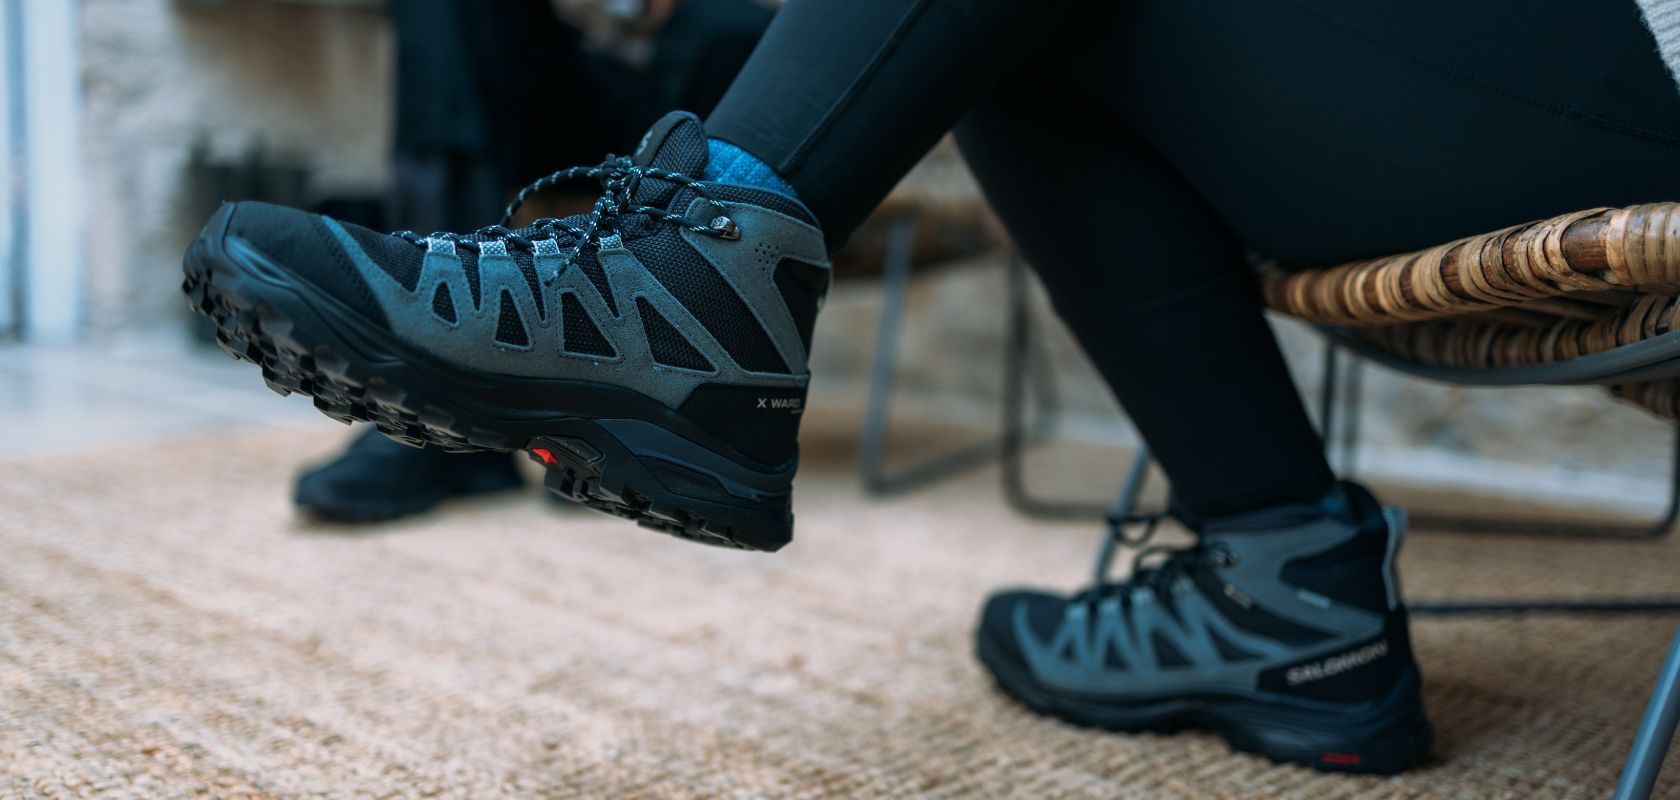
67	399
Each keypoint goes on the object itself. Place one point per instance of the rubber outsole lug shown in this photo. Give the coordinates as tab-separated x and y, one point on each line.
579	471
590	467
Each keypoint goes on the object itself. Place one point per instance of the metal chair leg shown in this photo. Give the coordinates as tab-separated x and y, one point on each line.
1124	504
1649	530
1340	401
1352	412
1656	731
1327	394
1333	409
1019	367
901	240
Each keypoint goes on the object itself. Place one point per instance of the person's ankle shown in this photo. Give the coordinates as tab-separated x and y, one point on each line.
730	163
1342	501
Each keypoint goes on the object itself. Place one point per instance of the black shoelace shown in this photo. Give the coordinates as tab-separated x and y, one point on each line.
1158	577
619	177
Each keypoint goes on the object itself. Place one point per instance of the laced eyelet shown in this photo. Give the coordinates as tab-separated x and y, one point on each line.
725	228
1224	558
618	177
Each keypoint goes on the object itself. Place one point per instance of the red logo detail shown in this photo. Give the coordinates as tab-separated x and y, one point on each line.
547	457
1339	758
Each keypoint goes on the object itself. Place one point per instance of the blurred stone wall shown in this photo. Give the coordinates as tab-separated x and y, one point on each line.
307	83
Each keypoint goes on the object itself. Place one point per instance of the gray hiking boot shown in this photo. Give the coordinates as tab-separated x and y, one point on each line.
1283	629
651	354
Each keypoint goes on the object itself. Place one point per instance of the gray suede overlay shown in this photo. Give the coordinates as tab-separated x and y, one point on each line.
748	265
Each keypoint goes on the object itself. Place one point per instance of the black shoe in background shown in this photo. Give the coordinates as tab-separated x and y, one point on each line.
379	479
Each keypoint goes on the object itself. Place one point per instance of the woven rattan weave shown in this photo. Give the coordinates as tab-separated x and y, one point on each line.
1537	293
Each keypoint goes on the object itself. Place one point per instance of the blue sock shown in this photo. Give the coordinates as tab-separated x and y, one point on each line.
727	163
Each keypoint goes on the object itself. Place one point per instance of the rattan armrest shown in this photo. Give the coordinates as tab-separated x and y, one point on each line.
1583	298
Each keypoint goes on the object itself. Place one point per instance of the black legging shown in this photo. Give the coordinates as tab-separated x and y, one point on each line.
1139	150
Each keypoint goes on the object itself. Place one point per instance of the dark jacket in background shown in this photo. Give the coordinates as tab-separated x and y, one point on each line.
696	55
506	79
492	94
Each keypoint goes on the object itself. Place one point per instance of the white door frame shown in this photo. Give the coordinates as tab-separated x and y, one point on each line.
45	200
11	188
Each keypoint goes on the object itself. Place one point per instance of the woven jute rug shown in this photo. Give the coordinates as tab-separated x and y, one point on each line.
168	628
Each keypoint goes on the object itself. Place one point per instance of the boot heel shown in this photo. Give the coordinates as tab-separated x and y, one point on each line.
1383	737
639	471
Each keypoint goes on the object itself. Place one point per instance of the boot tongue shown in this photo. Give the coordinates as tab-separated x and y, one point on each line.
676	143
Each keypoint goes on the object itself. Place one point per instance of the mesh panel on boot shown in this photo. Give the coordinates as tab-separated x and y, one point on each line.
1044	612
1167	656
443	303
668	344
510	328
528	267
1343	573
709	297
400	259
1229	651
591	266
683	149
304	246
581	334
802	287
469	267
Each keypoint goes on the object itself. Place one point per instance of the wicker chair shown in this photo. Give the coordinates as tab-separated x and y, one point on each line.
1521	305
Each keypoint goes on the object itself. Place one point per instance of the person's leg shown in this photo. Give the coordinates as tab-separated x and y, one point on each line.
1289	569
842	97
1328	131
1157	290
1321	132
